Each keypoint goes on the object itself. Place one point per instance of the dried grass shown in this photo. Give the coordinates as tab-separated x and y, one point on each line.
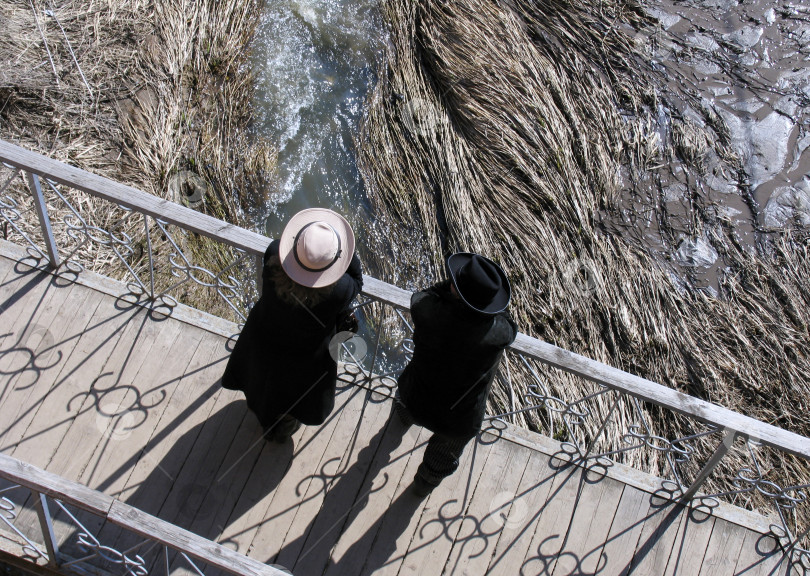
168	89
527	115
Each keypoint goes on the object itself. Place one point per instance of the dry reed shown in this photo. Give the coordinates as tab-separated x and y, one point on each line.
158	93
503	128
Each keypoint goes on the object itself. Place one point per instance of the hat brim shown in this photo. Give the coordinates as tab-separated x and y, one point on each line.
501	299
287	244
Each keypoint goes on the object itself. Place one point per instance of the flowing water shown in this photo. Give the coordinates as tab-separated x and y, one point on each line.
316	60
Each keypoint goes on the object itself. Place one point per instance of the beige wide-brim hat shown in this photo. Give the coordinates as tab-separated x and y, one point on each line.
316	247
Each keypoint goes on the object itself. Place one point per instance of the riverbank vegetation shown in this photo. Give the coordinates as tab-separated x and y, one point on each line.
156	95
519	130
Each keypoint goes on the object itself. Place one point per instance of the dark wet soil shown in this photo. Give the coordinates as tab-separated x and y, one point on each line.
740	71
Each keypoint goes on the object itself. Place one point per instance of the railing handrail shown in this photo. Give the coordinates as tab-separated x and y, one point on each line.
130	518
254	243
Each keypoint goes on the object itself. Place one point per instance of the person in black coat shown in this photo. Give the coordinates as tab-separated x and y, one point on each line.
460	332
282	359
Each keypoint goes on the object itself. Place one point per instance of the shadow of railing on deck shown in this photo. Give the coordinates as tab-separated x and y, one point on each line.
347	493
37	349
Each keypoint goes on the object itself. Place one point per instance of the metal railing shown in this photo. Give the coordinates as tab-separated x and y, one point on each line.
170	545
606	415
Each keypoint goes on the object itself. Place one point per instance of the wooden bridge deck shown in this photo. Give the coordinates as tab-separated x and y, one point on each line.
129	403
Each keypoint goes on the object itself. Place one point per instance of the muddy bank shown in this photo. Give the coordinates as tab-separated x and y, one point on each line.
520	130
742	70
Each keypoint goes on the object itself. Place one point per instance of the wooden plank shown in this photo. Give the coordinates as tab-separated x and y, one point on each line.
19	292
254	509
191	402
243	479
194	489
59	405
348	492
333	489
554	520
657	540
151	475
19	472
530	503
82	433
44	419
86	435
632	512
593	514
488	515
723	550
117	289
383	546
6	267
123	437
22	338
218	503
444	512
132	413
301	490
210	552
760	555
387	293
32	328
635	477
19	280
690	544
130	518
662	396
386	513
36	413
200	466
11	547
403	517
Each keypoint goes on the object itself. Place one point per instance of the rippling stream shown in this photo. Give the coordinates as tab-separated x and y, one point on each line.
314	62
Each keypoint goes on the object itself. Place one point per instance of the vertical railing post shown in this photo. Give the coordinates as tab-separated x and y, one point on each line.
46	526
602	427
795	545
511	393
259	259
44	219
151	260
728	441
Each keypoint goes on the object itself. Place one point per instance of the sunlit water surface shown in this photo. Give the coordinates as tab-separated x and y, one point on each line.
314	61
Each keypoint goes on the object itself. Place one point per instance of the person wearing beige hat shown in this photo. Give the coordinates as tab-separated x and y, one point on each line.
281	360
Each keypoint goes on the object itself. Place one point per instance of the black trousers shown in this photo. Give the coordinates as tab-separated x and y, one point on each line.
442	453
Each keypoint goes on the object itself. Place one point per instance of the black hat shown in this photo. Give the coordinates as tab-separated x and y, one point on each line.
480	282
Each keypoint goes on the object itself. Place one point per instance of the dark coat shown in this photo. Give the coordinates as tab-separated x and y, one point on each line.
281	360
456	355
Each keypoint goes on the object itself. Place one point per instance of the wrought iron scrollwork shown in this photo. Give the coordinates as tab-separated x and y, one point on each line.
138	256
132	565
8	514
10	211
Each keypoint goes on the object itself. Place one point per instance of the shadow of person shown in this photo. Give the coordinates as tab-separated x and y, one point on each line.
199	483
347	496
378	544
